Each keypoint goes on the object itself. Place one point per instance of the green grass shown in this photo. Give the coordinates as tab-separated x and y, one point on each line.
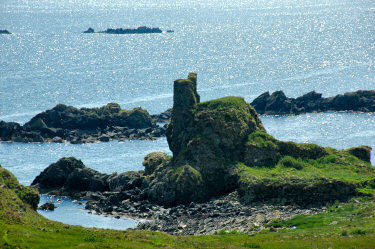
343	225
332	167
354	228
225	102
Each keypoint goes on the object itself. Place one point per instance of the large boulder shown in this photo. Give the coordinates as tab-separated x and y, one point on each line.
139	118
125	181
8	129
70	175
153	160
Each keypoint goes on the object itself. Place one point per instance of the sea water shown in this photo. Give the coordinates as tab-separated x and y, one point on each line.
240	47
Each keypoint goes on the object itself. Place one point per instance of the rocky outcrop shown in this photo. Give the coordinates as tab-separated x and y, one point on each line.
48	206
209	139
139	30
185	96
69	176
89	31
4	32
361	152
163	117
278	104
67	123
219	146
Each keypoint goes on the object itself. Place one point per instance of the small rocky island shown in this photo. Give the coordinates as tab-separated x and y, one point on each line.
4	32
139	30
279	104
69	124
226	172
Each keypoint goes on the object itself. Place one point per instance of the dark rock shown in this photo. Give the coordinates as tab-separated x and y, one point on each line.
83	125
261	102
202	137
37	124
55	175
7	130
48	206
279	104
125	181
139	30
89	30
153	160
70	175
5	32
361	152
185	96
163	117
85	179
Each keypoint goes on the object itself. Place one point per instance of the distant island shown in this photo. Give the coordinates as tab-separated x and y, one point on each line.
4	32
139	30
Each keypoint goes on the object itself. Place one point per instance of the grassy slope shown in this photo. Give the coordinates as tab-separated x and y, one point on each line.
22	227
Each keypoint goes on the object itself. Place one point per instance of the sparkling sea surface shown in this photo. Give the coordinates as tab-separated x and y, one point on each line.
240	47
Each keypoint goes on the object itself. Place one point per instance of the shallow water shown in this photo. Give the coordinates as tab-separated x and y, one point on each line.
79	216
26	161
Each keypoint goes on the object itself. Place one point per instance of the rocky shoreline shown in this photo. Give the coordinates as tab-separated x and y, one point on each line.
223	214
124	195
279	104
226	173
86	125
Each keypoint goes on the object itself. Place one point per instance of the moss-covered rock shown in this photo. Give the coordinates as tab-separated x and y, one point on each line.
185	96
362	152
139	118
153	160
174	185
213	136
302	181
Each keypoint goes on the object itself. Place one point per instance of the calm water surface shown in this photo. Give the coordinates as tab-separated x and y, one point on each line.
238	47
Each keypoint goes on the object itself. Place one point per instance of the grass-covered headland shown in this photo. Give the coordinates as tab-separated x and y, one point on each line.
343	225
